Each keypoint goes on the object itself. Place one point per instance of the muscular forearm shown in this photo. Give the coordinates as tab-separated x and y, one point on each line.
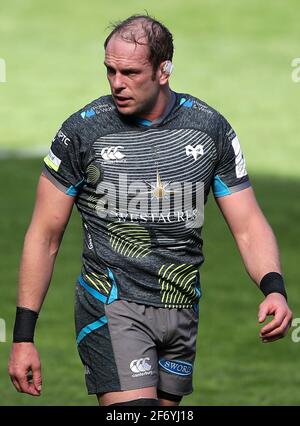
258	248
36	268
49	220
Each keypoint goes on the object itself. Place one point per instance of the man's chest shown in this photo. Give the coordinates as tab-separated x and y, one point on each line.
155	173
179	155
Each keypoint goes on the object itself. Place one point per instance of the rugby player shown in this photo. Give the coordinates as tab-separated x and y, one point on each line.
139	165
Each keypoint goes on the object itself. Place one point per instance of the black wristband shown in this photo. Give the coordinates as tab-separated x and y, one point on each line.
273	283
24	325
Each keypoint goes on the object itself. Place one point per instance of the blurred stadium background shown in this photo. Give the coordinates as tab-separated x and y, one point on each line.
235	55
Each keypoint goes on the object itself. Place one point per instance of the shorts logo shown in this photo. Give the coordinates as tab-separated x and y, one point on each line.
195	152
181	368
112	153
140	367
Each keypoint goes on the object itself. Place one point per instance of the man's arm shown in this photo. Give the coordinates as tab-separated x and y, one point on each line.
50	217
258	248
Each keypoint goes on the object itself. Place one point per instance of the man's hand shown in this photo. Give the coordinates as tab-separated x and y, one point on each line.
276	305
24	368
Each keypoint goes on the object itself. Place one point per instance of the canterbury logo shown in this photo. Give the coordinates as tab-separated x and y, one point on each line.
112	153
140	365
195	152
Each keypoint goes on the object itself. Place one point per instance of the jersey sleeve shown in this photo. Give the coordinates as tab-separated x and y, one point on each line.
230	173
62	165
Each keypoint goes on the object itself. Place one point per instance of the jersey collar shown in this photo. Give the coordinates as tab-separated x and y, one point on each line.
148	123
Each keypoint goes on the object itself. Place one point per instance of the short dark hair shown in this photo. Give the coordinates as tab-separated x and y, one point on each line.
158	37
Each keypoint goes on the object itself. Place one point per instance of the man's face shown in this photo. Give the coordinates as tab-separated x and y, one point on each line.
134	86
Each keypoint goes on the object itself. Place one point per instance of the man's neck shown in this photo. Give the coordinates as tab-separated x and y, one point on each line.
162	105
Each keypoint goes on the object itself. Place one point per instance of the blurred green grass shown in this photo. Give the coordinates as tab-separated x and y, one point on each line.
234	55
237	57
232	368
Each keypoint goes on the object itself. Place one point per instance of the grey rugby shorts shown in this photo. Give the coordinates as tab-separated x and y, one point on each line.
124	345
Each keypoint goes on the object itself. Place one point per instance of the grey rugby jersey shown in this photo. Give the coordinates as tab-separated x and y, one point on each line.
140	188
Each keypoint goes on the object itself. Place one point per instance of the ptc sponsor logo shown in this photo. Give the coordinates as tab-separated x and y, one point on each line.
181	368
112	153
195	152
62	137
140	367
